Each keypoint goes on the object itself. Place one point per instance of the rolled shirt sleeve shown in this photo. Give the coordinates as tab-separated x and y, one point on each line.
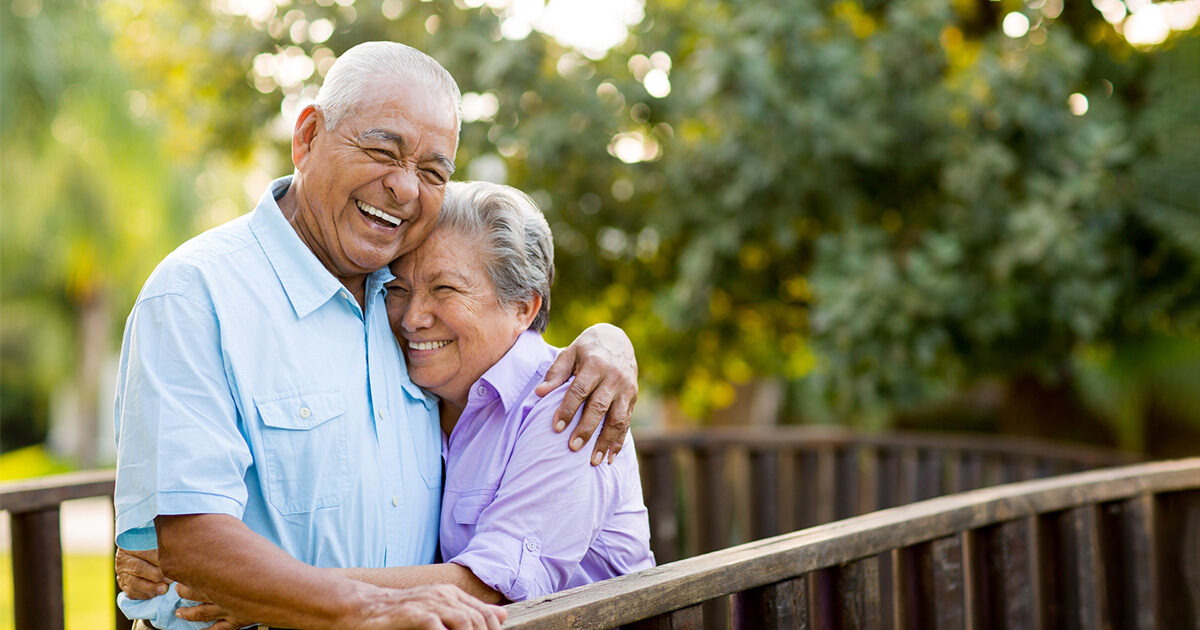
532	531
180	449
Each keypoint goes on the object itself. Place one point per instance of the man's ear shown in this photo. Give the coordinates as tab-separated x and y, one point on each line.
309	125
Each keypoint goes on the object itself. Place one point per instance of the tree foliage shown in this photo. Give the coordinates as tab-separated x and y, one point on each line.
883	200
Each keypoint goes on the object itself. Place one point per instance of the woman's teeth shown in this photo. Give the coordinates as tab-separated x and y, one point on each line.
377	213
426	345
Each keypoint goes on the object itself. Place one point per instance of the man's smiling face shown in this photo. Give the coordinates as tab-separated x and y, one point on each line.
370	189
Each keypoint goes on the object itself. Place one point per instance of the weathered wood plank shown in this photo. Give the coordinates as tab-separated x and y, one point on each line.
44	493
1178	539
929	471
914	608
858	594
805	465
658	488
764	484
690	618
1135	586
1090	608
37	569
1005	595
779	606
714	503
949	579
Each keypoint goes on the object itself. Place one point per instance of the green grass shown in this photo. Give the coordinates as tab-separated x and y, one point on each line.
31	461
87	592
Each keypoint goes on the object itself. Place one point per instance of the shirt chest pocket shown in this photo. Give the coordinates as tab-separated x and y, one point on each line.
305	457
471	504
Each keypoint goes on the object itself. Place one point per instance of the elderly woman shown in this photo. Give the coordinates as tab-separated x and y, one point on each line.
468	308
521	517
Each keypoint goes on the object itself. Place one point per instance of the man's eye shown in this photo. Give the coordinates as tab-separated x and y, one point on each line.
382	153
435	177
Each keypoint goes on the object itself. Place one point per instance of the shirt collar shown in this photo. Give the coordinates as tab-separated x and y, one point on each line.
306	281
512	374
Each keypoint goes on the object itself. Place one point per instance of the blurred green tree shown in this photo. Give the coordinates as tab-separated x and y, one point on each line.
90	203
879	202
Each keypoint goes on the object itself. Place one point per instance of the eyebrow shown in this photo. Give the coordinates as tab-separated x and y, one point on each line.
398	140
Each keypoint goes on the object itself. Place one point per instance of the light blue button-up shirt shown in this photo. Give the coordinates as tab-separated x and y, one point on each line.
252	384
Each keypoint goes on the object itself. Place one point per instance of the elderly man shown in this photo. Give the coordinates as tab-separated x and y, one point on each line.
266	424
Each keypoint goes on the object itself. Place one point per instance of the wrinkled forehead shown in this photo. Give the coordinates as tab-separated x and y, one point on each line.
445	246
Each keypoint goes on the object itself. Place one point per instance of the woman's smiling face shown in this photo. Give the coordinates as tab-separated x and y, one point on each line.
445	313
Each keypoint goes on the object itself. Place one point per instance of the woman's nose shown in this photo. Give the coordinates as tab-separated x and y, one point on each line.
416	315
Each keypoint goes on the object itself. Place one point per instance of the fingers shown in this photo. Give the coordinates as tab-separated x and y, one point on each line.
190	593
201	612
558	374
143	564
135	587
616	426
444	606
578	393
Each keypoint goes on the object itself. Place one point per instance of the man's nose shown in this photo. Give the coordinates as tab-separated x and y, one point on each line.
403	184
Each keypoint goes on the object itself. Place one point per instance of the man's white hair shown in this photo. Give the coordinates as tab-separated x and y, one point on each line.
368	64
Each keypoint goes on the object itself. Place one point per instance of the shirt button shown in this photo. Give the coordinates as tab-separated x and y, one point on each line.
395	500
379	415
530	546
481	390
305	412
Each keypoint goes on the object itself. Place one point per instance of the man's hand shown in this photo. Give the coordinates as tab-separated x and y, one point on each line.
220	618
433	606
430	608
138	573
605	382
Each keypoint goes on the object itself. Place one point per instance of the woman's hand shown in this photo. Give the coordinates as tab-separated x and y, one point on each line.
138	574
605	370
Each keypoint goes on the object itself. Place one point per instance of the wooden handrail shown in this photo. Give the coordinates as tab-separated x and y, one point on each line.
34	506
28	495
689	582
799	476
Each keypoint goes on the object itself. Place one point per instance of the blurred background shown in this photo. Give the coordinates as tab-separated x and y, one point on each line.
943	214
952	214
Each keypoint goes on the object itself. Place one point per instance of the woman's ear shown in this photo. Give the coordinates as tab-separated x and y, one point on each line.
527	310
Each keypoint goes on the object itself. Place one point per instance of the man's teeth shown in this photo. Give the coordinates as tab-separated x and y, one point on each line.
426	345
376	212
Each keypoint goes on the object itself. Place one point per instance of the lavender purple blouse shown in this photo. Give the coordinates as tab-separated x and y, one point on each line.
527	515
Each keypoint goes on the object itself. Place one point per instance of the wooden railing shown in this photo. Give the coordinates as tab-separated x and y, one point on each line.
713	488
705	490
1113	548
34	508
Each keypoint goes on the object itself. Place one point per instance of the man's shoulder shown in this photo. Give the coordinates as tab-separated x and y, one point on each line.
211	256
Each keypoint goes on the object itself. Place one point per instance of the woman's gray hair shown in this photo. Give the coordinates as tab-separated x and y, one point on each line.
370	62
519	249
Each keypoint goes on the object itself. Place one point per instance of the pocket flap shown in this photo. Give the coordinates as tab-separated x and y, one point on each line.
470	506
300	412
